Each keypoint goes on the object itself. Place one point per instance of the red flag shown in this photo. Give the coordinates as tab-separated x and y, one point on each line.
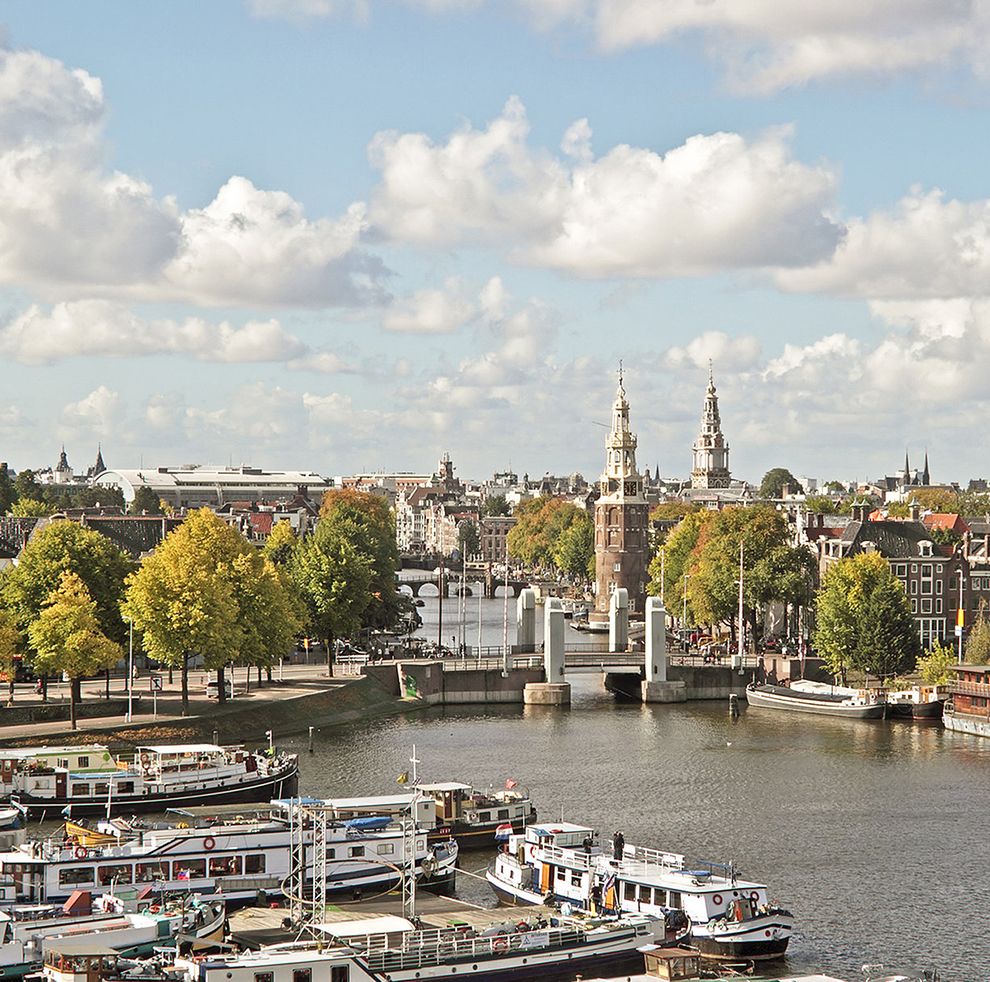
510	783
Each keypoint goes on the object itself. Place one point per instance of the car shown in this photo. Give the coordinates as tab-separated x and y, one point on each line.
213	689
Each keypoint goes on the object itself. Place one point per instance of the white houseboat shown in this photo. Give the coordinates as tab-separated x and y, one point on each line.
236	858
89	780
730	918
820	699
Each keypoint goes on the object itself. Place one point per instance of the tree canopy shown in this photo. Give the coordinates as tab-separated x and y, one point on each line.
540	524
145	502
468	538
67	638
495	504
977	649
772	485
574	551
864	619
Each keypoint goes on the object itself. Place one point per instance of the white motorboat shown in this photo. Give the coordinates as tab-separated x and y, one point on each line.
730	918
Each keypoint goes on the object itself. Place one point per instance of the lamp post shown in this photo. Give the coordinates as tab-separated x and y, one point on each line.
130	670
684	613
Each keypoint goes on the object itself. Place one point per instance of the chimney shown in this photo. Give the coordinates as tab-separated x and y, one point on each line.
915	511
860	511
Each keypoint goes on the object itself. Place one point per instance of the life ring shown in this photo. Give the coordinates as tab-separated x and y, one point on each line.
154	909
754	895
532	852
717	900
209	842
145	759
500	943
472	816
81	852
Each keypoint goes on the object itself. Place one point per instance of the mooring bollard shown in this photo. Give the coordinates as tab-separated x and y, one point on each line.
312	729
733	705
216	738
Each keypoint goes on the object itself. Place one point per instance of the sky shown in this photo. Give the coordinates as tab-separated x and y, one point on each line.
348	235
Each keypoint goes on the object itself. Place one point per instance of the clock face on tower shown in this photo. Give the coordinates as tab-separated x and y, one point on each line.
630	489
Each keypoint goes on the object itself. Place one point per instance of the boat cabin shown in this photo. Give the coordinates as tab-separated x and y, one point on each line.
460	803
971	690
671	964
79	960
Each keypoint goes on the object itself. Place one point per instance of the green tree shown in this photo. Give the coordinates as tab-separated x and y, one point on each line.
977	649
102	495
673	559
539	526
65	547
935	668
11	649
820	504
145	502
574	552
368	523
26	486
334	578
942	500
495	504
66	637
281	543
31	508
864	619
772	485
468	538
8	494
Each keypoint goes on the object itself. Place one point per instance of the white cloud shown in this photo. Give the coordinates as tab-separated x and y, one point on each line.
96	414
715	202
927	246
431	311
321	363
68	225
716	346
101	328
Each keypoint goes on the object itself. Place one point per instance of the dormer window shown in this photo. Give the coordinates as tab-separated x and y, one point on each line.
924	548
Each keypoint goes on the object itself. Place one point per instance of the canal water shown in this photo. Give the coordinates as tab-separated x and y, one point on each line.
873	834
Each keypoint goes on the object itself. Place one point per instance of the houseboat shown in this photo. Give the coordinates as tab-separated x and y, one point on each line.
918	702
818	698
235	858
89	780
968	708
559	949
473	817
730	918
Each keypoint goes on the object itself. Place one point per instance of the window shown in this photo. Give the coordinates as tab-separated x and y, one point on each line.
355	851
264	977
674	899
503	813
189	869
617	567
926	578
561	875
148	872
225	866
575	879
914	605
254	864
105	875
83	763
80	790
302	975
914	586
331	854
386	849
629	890
926	605
938	605
72	875
339	973
101	790
938	585
62	762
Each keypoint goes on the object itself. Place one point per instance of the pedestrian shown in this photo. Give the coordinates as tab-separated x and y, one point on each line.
596	898
618	846
587	845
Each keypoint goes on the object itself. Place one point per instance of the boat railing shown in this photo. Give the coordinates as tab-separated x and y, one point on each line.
572	857
423	949
969	688
637	858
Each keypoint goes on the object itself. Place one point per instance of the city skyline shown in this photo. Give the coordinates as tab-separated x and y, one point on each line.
348	235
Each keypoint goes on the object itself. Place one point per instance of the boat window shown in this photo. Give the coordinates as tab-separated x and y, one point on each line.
101	789
302	975
225	866
339	973
503	813
70	875
254	864
561	874
575	879
264	977
356	851
125	787
674	899
62	762
83	763
630	890
331	854
386	849
80	789
148	872
105	875
518	812
188	869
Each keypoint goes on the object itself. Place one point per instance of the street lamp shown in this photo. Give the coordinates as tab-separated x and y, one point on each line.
684	610
130	670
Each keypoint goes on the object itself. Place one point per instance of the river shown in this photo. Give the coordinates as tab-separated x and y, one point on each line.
873	834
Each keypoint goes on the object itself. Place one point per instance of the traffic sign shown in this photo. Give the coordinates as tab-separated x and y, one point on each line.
156	683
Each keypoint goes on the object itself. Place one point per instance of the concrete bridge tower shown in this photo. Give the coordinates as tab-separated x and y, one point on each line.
622	552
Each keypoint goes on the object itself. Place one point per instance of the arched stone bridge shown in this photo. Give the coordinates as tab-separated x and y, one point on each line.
415	579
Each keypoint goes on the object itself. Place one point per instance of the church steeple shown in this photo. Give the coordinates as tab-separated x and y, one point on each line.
926	477
620	477
99	467
710	467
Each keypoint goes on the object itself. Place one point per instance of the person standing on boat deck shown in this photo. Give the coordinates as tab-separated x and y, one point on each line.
596	898
618	846
588	843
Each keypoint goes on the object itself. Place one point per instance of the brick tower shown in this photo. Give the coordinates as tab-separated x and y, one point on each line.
622	552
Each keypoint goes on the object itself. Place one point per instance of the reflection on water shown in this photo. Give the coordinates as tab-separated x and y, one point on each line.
872	833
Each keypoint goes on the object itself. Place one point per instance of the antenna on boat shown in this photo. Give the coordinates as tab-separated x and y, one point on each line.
414	760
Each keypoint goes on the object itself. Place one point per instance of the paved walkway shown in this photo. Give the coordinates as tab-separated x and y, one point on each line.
296	680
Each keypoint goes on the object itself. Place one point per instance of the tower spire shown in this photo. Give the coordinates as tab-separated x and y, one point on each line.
710	468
